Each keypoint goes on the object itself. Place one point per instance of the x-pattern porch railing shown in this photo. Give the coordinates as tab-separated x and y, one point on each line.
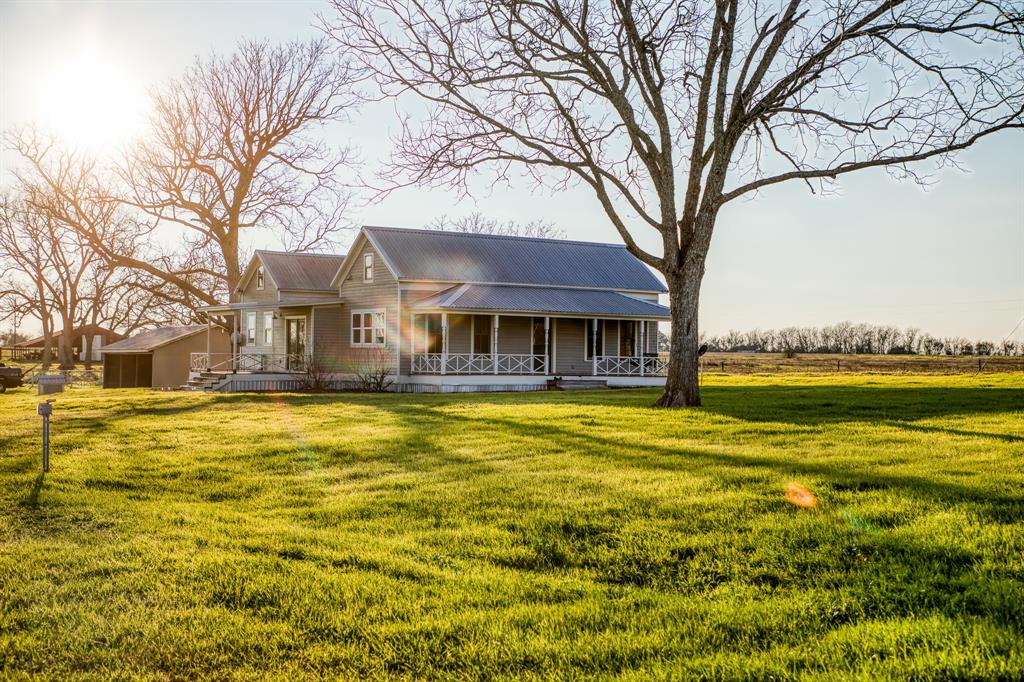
247	362
477	363
630	366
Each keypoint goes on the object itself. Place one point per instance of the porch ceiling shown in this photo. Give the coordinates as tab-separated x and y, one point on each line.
497	298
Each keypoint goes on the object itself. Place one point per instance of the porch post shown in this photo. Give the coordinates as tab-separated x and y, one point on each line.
234	340
593	347
209	340
444	343
494	343
642	348
547	346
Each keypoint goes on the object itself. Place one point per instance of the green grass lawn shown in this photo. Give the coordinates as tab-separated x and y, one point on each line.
544	535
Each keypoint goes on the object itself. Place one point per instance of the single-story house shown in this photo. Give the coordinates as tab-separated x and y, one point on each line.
101	336
159	358
442	311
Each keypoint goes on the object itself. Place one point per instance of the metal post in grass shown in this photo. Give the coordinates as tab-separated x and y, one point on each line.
45	410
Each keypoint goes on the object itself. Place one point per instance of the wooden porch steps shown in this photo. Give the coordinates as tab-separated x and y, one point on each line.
576	384
205	381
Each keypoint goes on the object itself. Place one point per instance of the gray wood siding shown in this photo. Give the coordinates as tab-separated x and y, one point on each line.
329	342
289	295
515	334
570	342
459	333
268	294
651	337
379	294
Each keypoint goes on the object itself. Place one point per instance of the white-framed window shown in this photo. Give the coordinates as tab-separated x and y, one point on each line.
368	267
250	327
260	278
268	329
368	328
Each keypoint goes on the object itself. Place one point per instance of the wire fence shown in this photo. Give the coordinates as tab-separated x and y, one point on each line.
753	363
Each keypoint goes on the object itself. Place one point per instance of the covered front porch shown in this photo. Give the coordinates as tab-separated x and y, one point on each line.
265	338
468	343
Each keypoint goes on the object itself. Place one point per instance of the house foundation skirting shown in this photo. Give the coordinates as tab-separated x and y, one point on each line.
426	383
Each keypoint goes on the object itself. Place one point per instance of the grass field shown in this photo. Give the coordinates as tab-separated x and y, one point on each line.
543	535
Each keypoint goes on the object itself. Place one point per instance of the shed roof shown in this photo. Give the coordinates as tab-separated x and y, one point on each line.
497	259
147	341
490	297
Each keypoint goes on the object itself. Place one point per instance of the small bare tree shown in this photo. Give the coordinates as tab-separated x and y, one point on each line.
478	223
373	370
667	110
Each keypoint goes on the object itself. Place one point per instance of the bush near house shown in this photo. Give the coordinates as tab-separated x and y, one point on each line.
851	526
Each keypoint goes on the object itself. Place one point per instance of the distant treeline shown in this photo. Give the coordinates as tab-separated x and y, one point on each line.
850	338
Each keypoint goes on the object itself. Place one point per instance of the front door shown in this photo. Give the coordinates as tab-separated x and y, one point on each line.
295	343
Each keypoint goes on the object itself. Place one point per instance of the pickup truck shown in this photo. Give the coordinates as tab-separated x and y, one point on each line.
10	377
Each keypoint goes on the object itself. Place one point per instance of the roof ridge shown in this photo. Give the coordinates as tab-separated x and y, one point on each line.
302	253
483	235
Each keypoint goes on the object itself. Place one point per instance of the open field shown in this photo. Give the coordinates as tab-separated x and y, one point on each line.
833	363
530	535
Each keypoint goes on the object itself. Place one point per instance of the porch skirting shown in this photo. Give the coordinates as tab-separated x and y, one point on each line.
427	383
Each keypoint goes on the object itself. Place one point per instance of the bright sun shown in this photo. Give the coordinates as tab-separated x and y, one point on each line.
90	100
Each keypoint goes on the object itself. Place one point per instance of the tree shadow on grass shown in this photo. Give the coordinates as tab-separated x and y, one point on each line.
816	405
841	476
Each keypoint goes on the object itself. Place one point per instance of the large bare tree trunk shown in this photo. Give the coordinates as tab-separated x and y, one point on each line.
682	387
66	345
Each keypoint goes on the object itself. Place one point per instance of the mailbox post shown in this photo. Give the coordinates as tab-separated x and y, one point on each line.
45	410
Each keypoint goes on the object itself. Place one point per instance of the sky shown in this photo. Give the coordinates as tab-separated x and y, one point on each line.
948	260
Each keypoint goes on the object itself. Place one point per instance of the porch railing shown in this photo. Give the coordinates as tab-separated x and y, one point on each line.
477	363
247	362
630	366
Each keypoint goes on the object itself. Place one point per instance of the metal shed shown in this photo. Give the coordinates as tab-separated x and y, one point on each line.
158	358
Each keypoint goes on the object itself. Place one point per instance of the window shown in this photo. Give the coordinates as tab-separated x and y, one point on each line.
594	330
259	277
368	328
368	267
482	334
250	327
432	332
268	329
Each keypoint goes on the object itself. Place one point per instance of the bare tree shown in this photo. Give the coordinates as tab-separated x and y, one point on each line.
233	149
669	110
478	223
50	264
24	267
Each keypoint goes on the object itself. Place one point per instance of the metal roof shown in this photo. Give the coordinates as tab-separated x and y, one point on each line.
491	297
152	339
93	329
460	257
301	271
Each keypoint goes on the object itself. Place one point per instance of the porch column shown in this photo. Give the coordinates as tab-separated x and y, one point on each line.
642	349
593	347
494	343
444	343
547	346
234	341
209	340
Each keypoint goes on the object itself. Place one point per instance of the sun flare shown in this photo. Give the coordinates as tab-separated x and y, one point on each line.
89	99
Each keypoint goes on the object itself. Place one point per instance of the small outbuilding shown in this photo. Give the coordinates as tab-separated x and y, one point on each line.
159	358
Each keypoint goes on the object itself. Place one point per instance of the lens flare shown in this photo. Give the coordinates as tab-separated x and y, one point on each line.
800	496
